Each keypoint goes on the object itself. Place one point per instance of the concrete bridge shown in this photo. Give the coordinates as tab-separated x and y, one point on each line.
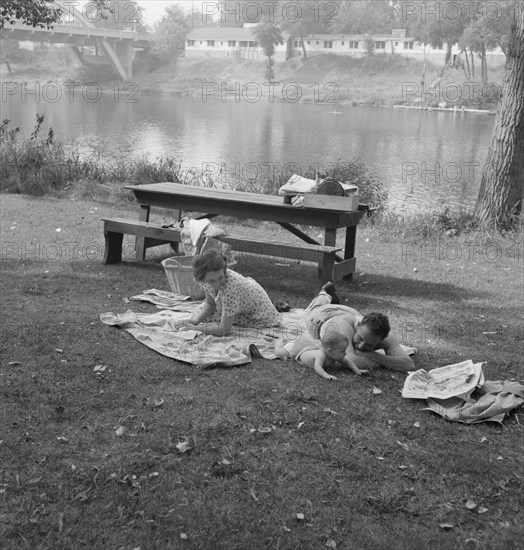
111	46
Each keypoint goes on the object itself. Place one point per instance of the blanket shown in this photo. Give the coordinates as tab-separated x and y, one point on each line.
157	331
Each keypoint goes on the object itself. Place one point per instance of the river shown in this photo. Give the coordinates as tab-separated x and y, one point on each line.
425	159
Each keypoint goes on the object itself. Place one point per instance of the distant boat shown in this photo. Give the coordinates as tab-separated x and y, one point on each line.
335	113
447	109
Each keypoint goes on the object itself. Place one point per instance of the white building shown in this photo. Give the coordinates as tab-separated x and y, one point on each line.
228	42
240	43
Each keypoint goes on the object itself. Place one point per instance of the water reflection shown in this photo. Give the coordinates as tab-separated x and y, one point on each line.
425	159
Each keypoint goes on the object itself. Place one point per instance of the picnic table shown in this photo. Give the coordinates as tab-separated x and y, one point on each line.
333	262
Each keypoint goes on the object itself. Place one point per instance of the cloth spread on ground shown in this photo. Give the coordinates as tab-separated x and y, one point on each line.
489	403
460	393
156	331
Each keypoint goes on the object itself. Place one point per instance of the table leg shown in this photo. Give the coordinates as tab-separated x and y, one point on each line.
325	270
140	245
349	246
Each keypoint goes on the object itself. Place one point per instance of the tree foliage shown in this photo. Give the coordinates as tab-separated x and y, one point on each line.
42	13
171	31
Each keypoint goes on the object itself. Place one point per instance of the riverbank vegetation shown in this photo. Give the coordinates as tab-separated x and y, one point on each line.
377	80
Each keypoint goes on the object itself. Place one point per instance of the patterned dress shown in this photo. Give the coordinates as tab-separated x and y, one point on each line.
245	300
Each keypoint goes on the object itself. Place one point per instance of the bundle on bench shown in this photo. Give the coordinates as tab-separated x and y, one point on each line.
114	230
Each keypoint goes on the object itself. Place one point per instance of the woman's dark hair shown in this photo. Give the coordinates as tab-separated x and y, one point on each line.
209	261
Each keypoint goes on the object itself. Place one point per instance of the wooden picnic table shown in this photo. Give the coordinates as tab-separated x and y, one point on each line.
211	202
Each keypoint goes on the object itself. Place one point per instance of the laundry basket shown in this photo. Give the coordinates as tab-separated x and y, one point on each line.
179	273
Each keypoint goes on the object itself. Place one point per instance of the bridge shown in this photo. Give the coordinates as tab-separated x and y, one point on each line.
112	46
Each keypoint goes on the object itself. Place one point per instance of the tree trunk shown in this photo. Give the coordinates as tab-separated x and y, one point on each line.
467	70
303	47
472	63
502	184
448	52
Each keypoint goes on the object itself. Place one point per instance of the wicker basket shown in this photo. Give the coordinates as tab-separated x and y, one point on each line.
179	273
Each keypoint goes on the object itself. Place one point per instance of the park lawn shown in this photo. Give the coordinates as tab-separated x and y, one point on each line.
276	457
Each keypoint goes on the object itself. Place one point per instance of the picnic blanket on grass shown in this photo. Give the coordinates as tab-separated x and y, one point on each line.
157	331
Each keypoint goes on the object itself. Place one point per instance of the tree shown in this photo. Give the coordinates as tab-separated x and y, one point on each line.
171	32
366	17
42	13
268	36
119	14
502	183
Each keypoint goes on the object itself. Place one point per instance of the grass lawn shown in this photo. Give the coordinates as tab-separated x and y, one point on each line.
267	455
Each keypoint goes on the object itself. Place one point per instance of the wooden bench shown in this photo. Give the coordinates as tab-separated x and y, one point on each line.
114	230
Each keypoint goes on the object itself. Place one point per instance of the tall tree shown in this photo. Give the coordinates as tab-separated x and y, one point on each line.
366	16
41	13
502	185
268	36
171	32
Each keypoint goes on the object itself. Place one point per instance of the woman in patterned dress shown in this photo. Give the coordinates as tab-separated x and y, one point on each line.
230	299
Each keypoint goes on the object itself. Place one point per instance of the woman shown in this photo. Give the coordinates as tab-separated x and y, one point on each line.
230	298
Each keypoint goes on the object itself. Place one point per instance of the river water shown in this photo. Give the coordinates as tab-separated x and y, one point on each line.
425	159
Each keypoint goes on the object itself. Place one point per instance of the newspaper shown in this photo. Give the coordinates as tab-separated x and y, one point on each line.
458	380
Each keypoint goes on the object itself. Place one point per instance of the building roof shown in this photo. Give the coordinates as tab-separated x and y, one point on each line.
221	33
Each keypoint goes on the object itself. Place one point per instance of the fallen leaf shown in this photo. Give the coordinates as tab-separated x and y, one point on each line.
417	425
330	543
183	446
470	505
126	300
62	438
58	229
376	390
158	402
183	536
403	445
500	457
60	521
267	430
286	529
446	526
483	439
330	412
482	510
402	467
35	480
300	516
121	430
14	363
100	368
300	424
59	350
225	462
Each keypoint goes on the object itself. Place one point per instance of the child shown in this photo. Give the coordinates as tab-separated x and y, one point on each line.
332	350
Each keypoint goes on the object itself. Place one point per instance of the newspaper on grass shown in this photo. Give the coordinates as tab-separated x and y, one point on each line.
458	380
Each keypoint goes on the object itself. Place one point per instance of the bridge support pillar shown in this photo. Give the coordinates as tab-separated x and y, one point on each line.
121	55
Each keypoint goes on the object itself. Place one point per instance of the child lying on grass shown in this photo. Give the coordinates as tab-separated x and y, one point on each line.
307	352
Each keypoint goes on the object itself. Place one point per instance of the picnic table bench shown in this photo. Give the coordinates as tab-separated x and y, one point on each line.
220	202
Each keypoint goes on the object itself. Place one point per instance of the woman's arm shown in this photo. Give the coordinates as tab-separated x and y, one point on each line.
207	310
216	329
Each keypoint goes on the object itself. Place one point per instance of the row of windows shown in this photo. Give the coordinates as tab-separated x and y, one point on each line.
230	43
353	44
328	44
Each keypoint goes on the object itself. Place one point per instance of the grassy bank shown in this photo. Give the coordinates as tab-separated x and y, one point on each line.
337	466
374	80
